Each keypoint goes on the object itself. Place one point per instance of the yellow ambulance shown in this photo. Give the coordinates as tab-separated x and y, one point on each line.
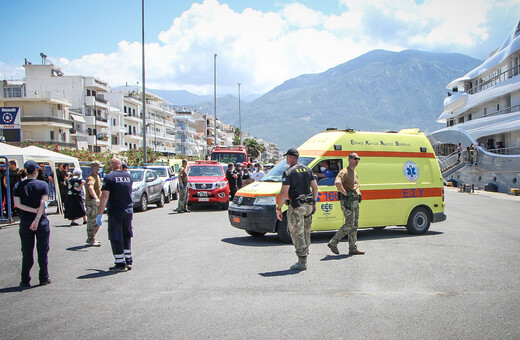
400	181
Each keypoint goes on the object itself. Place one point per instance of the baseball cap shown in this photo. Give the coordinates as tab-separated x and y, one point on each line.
124	166
96	163
292	152
30	166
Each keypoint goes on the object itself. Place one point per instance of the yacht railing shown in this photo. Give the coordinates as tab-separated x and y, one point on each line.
508	74
506	151
504	111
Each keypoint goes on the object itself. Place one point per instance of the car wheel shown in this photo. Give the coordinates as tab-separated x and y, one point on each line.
175	195
282	229
167	197
143	204
419	221
160	202
255	233
225	205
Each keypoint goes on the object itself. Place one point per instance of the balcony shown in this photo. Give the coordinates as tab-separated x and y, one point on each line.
97	102
96	84
100	121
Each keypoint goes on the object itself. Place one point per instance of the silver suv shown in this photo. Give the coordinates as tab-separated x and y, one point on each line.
171	180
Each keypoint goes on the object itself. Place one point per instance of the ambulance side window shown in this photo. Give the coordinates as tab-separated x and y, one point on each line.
328	177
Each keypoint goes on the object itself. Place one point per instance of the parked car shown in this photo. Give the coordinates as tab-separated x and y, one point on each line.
171	180
147	188
207	184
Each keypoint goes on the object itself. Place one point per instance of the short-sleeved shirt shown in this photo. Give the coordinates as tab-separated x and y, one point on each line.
328	173
73	186
231	180
119	185
94	181
14	177
61	175
257	175
299	178
349	180
30	192
183	176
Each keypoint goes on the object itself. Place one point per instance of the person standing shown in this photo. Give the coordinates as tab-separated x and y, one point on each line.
62	175
239	173
348	185
117	191
74	205
183	188
30	196
257	174
297	182
231	177
14	177
93	194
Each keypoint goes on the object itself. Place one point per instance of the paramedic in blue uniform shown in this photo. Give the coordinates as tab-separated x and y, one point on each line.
117	191
30	196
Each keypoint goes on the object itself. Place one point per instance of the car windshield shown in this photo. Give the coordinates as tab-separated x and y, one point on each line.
205	171
137	175
275	174
228	157
160	171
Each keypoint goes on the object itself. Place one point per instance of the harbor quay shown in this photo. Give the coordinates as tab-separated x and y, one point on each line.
195	276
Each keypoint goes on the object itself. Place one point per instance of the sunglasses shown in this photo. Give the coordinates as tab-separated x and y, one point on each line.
356	158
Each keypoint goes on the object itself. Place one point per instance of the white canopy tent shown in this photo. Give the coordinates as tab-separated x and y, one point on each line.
34	153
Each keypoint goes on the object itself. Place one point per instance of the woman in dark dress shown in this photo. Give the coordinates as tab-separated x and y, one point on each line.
74	205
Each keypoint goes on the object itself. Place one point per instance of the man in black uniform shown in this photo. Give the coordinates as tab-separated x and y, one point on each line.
30	197
297	182
117	190
232	180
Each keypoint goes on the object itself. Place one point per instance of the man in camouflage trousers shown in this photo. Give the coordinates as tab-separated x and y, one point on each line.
297	182
348	184
183	188
93	194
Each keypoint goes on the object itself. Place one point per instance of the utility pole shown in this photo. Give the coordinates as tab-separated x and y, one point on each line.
144	87
215	94
239	115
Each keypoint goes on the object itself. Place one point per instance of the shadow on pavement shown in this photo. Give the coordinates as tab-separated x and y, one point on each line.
280	273
76	248
64	226
15	289
98	273
325	236
335	257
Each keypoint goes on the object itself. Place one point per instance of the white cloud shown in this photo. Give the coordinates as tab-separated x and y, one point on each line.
263	49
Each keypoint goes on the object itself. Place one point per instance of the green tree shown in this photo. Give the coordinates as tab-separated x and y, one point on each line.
254	149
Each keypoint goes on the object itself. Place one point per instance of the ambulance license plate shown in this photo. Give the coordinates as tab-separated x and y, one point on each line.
236	219
201	199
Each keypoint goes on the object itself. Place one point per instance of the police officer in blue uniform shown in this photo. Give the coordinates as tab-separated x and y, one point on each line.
117	191
30	196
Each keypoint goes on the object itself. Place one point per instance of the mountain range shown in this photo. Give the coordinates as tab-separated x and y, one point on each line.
378	91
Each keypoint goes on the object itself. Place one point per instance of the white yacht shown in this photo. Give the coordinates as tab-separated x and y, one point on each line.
482	113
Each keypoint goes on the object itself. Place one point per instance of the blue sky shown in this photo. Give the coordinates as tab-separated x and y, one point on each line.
260	43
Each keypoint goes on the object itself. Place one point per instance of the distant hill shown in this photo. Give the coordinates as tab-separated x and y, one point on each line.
380	90
185	98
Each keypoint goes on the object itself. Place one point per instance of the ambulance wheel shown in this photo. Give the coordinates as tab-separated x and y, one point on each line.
255	233
168	197
143	203
160	202
282	229
419	221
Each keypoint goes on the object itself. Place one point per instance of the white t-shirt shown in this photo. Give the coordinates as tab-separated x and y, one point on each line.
257	175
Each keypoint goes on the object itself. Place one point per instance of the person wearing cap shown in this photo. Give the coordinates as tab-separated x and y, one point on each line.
297	182
124	166
74	206
350	196
30	196
182	206
117	191
93	194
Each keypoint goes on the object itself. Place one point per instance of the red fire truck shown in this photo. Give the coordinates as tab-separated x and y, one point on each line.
229	154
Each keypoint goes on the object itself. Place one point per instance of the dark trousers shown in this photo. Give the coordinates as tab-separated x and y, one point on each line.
27	237
120	235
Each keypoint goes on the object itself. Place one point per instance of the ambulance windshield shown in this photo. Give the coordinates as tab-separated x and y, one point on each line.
275	174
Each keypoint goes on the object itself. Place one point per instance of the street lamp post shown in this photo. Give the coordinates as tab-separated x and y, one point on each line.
215	94
239	115
144	87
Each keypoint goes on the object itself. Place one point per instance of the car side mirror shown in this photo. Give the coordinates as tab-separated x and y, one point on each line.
149	179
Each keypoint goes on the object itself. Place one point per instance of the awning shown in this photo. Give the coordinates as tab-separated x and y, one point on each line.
78	118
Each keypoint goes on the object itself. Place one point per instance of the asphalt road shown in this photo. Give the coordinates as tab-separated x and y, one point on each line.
197	277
